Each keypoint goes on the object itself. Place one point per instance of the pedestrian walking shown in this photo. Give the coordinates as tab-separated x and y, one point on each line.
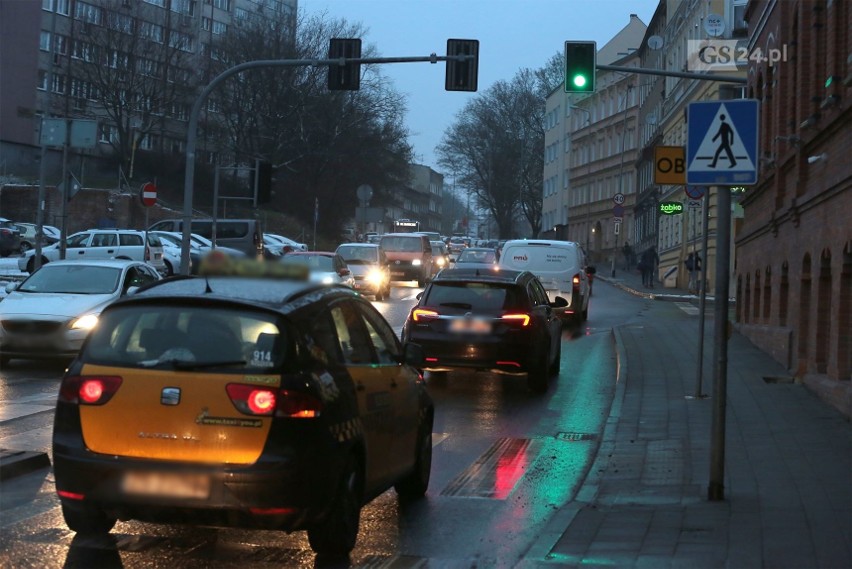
627	251
648	266
693	265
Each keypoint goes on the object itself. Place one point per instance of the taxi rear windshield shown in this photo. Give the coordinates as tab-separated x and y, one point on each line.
188	338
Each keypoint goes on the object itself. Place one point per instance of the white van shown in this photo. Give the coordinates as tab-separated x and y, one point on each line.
559	265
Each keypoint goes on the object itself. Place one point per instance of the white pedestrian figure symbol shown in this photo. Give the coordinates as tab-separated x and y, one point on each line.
727	135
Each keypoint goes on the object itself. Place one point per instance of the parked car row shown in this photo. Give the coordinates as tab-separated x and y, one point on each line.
18	237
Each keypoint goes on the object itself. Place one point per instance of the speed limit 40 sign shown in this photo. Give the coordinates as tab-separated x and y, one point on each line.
669	165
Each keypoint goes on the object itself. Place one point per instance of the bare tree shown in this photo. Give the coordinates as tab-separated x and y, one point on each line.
323	144
132	62
496	146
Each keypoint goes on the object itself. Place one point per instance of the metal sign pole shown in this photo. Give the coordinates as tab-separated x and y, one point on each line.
215	205
702	296
716	488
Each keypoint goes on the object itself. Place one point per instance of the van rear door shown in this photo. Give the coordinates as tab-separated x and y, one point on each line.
554	264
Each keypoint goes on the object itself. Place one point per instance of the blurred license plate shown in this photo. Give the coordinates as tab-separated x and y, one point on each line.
397	273
472	326
167	484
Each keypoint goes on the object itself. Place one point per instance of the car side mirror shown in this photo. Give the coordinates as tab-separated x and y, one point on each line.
131	290
413	355
559	302
590	270
419	295
11	286
344	272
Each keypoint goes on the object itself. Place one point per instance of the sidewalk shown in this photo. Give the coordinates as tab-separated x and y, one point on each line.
788	462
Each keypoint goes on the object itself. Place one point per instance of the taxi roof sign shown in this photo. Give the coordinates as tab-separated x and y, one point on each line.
219	264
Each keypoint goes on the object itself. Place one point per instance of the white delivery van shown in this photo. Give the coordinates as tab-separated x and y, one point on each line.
559	265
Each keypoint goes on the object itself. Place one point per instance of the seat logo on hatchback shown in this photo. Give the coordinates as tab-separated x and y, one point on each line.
170	396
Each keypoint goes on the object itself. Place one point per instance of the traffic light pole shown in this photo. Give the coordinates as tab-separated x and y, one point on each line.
681	74
192	129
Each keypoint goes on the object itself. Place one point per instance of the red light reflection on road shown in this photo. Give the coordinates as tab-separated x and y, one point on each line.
511	465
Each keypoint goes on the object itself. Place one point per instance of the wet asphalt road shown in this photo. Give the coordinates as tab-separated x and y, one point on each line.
504	462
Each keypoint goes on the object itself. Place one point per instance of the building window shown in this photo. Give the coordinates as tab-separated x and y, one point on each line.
180	41
44	41
206	24
58	84
221	4
160	3
60	44
42	80
120	22
151	31
186	7
219	28
58	6
88	13
107	133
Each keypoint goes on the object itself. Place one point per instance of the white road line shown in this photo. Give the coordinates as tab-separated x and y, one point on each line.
9	412
687	307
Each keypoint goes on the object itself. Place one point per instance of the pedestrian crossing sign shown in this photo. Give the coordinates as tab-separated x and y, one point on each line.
721	145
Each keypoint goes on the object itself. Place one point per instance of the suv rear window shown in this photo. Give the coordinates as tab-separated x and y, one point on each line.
402	244
475	297
187	337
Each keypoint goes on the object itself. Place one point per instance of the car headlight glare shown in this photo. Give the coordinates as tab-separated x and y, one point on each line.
440	261
416	262
374	277
327	280
86	322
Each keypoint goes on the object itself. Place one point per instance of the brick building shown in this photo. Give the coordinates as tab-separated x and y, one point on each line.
794	247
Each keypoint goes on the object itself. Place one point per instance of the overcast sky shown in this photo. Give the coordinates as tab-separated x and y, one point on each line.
512	34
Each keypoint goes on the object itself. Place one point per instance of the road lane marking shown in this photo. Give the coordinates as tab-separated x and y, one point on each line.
687	307
497	471
12	411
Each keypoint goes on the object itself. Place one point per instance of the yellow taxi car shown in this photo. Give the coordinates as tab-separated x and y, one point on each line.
241	402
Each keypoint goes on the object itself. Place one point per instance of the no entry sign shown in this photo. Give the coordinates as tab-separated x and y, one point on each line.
148	193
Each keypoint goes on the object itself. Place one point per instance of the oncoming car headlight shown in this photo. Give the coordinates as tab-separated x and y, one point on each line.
374	277
86	322
440	261
416	262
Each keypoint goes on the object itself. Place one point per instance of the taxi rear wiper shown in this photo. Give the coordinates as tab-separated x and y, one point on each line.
185	365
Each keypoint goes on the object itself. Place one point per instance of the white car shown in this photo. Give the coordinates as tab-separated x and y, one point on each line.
324	267
287	241
101	244
50	313
198	247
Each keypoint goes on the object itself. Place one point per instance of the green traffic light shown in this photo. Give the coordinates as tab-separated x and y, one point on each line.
579	80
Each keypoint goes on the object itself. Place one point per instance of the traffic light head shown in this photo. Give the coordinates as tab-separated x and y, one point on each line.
345	77
462	75
580	62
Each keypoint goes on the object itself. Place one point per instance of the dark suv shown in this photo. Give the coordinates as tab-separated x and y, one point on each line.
503	322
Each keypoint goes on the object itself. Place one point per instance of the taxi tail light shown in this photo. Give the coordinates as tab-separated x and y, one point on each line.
251	399
424	315
88	389
70	495
298	405
576	280
518	319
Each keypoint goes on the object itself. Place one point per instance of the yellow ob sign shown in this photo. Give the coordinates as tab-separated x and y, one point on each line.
669	165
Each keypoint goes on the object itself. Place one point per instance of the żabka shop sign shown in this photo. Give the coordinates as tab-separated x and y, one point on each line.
671	208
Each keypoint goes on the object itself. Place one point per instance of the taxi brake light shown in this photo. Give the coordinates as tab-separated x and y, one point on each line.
522	319
423	315
88	390
70	495
298	405
576	280
250	400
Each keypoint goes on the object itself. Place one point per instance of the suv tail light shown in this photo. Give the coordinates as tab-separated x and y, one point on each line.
88	389
260	401
521	319
424	315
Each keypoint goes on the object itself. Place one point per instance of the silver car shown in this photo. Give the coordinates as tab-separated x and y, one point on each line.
50	313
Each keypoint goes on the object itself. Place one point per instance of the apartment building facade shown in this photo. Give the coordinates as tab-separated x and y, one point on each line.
134	66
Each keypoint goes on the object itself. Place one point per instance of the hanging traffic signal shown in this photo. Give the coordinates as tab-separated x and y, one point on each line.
462	75
345	77
263	172
580	62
